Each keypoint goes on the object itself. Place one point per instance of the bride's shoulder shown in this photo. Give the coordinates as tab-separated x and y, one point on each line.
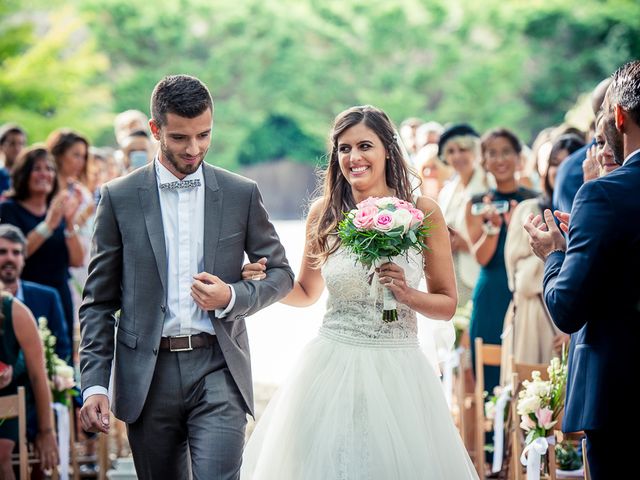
428	205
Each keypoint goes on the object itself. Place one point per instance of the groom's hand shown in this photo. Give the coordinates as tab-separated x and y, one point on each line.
94	414
209	292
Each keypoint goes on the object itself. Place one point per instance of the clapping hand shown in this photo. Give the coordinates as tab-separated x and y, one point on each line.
545	236
255	271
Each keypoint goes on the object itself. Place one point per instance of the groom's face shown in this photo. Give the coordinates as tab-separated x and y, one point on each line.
184	142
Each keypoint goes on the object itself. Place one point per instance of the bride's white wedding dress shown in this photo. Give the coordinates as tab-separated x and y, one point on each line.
363	401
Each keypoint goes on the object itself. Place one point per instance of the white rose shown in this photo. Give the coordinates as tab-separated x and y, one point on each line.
528	405
403	217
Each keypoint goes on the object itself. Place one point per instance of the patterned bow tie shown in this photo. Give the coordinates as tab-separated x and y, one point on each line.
180	184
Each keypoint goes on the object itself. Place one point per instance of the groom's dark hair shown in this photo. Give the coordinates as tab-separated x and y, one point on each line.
181	95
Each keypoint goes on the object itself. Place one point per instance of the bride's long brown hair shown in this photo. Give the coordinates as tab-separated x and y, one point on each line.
336	194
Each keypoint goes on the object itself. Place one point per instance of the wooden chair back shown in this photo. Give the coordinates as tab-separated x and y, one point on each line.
12	406
486	355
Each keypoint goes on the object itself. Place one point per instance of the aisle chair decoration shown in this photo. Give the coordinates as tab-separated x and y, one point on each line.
62	384
540	405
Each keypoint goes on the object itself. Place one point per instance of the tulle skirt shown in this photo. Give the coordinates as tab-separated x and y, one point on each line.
358	409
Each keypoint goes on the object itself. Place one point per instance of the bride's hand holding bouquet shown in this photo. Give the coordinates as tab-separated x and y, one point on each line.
378	230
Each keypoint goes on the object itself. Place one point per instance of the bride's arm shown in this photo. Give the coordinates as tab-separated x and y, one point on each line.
439	303
309	284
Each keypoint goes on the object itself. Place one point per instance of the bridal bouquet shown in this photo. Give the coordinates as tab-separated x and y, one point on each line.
379	229
61	375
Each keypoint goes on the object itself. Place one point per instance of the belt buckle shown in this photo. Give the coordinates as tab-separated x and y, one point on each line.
186	349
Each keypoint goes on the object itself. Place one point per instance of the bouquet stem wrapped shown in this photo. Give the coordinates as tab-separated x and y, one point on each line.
378	230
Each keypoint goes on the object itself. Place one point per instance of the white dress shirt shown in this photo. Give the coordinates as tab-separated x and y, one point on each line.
183	226
630	155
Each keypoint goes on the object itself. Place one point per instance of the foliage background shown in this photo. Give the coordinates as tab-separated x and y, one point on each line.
280	70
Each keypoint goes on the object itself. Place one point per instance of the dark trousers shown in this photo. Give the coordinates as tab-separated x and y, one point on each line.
193	419
608	455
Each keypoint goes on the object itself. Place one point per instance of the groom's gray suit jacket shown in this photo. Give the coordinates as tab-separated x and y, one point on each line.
128	272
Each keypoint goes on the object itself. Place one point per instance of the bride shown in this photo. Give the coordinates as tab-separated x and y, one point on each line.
363	402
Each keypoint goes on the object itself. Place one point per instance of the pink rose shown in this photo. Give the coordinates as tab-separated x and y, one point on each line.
383	221
369	202
365	216
545	418
401	204
417	214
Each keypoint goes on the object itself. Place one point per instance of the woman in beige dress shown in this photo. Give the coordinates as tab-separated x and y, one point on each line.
459	147
529	334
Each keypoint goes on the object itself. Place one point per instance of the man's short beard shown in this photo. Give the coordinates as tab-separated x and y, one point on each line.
614	139
186	169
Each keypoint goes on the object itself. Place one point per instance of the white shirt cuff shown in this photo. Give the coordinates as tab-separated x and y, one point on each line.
220	313
95	390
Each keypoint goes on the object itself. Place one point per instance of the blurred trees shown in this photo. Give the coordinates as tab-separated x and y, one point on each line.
280	70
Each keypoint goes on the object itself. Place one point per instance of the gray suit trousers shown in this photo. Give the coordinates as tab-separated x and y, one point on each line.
193	419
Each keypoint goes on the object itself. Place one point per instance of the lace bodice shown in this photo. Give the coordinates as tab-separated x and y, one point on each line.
352	312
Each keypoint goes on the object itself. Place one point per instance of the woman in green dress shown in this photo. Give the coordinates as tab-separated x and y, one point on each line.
487	217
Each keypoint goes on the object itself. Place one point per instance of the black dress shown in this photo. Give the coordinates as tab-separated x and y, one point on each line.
49	264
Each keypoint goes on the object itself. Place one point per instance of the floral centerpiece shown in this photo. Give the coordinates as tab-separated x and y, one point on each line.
61	375
379	229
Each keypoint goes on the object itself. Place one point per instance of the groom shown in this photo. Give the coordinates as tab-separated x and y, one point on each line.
168	248
593	289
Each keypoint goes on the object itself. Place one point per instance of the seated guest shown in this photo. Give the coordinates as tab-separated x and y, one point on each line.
20	334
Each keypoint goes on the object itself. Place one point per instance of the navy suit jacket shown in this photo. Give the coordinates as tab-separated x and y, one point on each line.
45	301
593	292
569	179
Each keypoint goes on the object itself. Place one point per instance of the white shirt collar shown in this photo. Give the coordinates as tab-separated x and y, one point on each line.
630	155
163	175
19	292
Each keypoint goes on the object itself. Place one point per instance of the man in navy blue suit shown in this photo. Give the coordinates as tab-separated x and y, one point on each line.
43	301
592	285
569	177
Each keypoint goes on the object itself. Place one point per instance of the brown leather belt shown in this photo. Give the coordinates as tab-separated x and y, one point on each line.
186	343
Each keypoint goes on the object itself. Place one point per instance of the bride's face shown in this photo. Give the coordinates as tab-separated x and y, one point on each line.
362	155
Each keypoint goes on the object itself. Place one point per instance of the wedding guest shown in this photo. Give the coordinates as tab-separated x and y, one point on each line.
45	215
12	140
19	333
433	172
127	122
528	333
459	147
600	262
570	176
487	218
408	129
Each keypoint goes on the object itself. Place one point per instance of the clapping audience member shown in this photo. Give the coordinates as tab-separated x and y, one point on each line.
45	214
529	334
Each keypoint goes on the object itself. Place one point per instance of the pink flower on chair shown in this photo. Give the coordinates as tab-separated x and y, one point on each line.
545	418
527	424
